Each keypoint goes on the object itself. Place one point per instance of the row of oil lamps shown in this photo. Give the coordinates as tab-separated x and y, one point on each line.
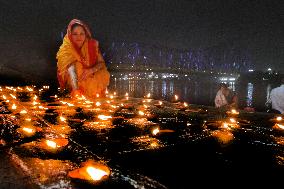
92	170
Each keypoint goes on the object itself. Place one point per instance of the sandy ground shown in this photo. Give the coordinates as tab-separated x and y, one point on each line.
12	177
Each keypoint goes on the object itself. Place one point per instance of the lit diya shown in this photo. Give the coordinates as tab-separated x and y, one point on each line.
159	104
277	119
180	106
28	131
53	145
233	112
91	171
278	126
2	142
231	123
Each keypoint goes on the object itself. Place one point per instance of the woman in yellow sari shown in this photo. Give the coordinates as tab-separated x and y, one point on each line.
80	65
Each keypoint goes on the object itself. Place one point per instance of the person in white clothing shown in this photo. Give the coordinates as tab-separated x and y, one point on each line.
277	98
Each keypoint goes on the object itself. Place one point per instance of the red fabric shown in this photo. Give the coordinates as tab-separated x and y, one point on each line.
93	52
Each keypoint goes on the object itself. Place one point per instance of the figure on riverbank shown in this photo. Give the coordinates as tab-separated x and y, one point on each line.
221	96
225	97
81	68
277	98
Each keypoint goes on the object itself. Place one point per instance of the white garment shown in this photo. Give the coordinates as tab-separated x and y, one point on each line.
277	98
220	99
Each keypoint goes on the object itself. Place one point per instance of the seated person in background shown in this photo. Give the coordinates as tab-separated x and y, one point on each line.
277	98
221	96
226	98
232	99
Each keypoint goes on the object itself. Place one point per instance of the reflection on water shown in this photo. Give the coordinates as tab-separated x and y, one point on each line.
196	91
249	96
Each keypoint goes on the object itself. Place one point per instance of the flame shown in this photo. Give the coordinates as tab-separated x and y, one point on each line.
51	144
14	106
279	118
23	112
35	97
63	119
280	126
234	111
96	174
13	96
232	120
225	125
176	97
156	131
29	89
54	143
141	113
104	117
90	170
148	95
28	130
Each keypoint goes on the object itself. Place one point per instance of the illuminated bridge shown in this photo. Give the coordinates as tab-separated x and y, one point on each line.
122	56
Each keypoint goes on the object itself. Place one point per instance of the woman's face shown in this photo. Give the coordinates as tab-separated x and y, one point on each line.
78	35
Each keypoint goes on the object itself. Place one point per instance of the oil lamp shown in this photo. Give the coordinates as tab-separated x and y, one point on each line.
53	145
91	171
27	131
233	112
278	126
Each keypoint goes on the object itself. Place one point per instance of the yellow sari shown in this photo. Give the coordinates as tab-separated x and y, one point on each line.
92	74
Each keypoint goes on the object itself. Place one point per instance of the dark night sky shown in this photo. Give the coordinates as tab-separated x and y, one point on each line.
255	25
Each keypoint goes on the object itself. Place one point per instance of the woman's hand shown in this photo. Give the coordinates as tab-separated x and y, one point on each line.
91	71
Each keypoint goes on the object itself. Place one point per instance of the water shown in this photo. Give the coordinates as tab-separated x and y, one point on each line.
252	92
